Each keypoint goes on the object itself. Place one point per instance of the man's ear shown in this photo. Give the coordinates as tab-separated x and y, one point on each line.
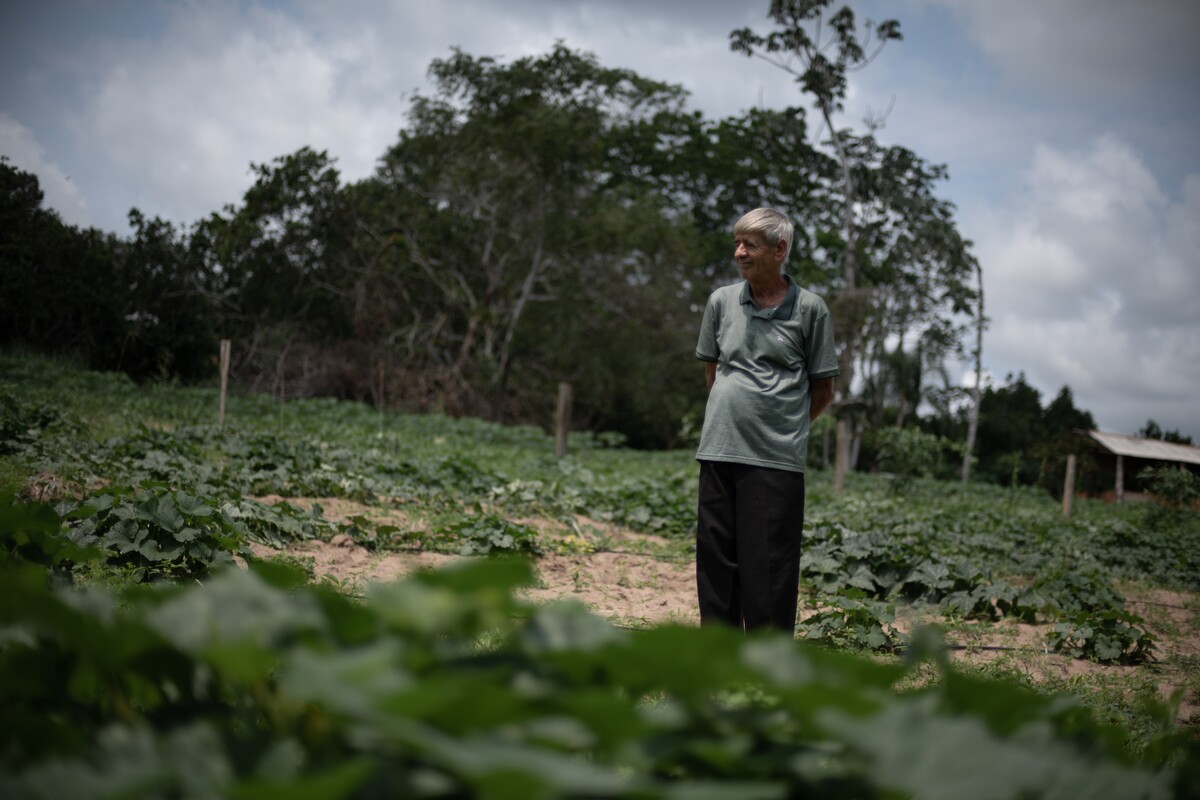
781	250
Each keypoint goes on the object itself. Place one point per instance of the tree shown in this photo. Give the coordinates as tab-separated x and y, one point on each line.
711	173
623	331
1019	439
543	220
279	257
169	325
977	387
1061	415
825	80
1010	424
502	177
1061	426
1151	430
60	288
279	268
905	270
915	271
895	389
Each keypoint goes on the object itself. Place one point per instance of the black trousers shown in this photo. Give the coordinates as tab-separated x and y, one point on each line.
748	533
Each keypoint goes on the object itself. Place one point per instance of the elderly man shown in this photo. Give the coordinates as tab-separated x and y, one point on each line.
770	359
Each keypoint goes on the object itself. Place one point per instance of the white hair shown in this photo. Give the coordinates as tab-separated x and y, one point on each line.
772	224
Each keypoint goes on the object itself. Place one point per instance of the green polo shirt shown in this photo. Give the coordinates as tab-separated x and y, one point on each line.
757	411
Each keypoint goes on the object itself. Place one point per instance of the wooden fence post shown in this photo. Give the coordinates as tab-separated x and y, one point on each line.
841	457
224	362
562	419
382	387
1069	487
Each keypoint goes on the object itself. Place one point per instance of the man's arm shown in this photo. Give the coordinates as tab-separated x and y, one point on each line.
710	373
820	396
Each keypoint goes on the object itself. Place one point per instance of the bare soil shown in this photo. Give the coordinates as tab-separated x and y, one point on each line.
626	587
624	581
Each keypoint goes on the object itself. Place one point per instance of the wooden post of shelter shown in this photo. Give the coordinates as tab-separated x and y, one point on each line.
224	362
1069	486
562	419
1120	478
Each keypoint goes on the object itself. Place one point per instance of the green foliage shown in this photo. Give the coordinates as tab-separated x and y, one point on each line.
1176	491
1151	430
280	523
1112	636
30	533
61	292
155	533
526	206
254	685
887	561
977	552
852	621
23	420
1078	590
979	598
1021	443
487	534
909	453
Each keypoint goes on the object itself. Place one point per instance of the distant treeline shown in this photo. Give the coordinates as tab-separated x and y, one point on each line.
540	221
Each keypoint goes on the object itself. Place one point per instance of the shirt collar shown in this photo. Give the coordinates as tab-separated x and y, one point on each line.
784	309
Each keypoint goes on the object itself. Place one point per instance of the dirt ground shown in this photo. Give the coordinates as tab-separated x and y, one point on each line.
633	587
626	587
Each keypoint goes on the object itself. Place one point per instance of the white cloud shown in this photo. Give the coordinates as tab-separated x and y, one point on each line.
184	116
1106	182
1093	280
1100	46
19	144
660	39
1183	220
180	117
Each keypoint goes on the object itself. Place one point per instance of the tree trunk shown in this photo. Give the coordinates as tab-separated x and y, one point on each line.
977	392
849	290
841	460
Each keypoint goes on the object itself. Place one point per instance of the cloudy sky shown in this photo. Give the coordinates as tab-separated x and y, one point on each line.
1071	129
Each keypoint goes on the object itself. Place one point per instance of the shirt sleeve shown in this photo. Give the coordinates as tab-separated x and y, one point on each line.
706	347
822	353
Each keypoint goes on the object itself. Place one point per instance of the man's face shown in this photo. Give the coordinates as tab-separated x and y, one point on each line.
758	261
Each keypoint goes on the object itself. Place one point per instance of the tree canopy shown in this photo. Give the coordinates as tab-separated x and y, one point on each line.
541	220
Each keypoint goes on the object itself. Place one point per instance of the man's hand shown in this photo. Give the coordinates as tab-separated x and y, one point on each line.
820	396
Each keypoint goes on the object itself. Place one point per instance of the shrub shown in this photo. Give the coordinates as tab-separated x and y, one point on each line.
909	453
1176	490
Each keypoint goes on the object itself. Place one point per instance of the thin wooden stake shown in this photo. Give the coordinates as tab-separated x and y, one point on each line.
562	419
1069	487
224	381
279	376
382	397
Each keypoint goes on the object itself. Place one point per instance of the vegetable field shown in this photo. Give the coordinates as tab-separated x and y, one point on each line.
321	600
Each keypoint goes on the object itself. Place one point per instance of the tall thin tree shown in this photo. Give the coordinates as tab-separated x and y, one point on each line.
977	390
807	56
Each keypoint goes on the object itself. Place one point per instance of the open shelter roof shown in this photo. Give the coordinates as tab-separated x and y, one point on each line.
1153	449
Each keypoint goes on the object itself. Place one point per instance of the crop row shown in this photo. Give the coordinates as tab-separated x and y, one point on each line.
254	684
